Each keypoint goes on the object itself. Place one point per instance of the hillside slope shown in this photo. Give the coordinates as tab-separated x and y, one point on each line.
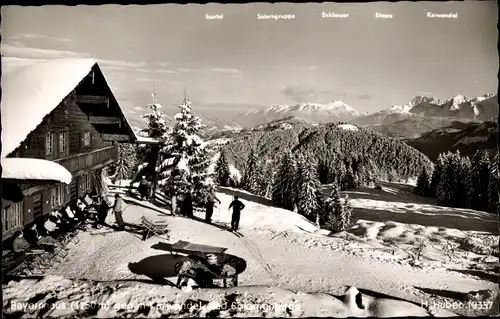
286	261
415	126
326	142
467	138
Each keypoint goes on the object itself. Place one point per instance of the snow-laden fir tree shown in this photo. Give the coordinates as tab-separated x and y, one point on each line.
344	219
283	192
222	170
448	181
185	158
493	185
269	181
333	208
479	180
248	182
156	127
463	183
350	180
436	175
423	183
307	189
126	162
338	173
262	178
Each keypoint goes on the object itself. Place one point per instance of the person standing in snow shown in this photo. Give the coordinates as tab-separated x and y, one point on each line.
187	205
102	212
118	211
144	188
237	206
209	206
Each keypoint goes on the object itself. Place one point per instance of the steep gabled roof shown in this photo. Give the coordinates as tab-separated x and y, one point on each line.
31	92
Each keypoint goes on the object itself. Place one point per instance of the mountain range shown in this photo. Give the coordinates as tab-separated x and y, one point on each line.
315	112
483	108
421	115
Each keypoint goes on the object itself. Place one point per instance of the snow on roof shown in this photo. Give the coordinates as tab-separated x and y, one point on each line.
32	91
34	169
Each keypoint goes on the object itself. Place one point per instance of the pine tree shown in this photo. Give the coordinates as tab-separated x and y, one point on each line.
263	179
307	188
283	192
222	170
463	183
269	178
156	128
349	179
493	185
123	166
344	220
479	175
250	170
448	181
185	157
423	184
333	208
436	175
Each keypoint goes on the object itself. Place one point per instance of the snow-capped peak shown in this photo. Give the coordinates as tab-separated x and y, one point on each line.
457	100
423	99
335	106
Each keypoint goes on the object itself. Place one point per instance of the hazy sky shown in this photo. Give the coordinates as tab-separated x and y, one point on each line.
241	62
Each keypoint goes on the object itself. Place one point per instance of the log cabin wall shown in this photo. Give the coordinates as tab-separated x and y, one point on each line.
83	151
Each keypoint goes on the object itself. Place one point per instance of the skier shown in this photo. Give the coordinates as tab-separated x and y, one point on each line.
210	202
237	206
118	211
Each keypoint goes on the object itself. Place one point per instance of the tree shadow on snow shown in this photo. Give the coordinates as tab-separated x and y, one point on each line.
155	206
245	196
219	225
481	274
426	218
456	295
388	195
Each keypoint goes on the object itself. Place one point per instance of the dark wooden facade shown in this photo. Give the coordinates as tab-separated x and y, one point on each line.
71	136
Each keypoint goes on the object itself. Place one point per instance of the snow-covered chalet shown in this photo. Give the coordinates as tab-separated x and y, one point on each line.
62	111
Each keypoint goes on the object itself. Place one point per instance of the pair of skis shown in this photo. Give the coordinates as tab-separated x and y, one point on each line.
237	233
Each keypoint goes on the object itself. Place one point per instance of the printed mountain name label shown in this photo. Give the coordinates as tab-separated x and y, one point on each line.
334	15
214	16
379	15
442	15
275	16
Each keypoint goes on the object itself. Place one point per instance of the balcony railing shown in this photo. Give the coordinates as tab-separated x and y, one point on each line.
83	161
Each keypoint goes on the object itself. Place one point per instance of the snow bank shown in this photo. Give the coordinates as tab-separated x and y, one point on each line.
258	214
85	299
34	169
36	89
